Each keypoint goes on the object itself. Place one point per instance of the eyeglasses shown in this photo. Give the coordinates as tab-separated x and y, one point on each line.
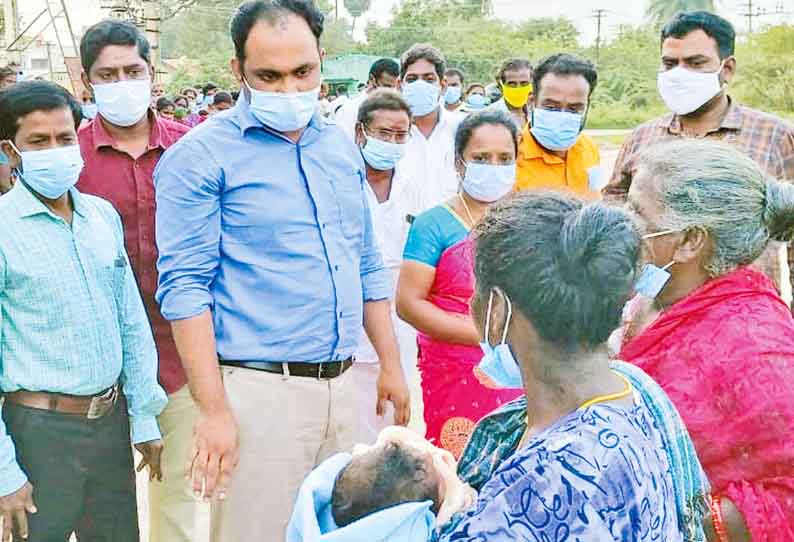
658	234
388	135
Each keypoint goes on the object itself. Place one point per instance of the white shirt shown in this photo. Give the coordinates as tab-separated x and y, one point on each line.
346	116
431	161
391	232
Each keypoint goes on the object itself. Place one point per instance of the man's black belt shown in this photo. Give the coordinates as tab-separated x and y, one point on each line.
320	371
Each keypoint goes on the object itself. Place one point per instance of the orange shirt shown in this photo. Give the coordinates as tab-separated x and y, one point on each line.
580	172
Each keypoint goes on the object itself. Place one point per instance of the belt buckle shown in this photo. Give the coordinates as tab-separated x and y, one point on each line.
101	404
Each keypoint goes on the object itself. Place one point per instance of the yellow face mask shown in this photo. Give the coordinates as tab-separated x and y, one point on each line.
516	96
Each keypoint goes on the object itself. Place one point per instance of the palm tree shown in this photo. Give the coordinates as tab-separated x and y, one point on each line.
357	8
661	11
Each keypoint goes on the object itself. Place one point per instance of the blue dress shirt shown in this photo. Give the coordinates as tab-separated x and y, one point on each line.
71	317
274	237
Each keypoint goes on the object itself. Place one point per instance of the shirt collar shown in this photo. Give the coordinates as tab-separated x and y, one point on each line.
102	137
28	204
731	121
247	121
532	149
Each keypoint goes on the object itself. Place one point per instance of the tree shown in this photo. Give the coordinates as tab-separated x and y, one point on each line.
661	11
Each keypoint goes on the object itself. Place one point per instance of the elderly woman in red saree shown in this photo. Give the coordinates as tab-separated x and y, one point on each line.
721	343
437	283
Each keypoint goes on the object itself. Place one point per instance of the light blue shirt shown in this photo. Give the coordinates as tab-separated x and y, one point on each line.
274	237
71	317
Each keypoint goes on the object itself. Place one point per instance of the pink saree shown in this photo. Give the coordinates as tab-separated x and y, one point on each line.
455	396
725	357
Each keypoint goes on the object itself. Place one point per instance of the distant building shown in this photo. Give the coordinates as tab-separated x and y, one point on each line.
348	71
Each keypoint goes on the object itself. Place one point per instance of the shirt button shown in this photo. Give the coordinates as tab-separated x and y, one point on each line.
340	314
336	268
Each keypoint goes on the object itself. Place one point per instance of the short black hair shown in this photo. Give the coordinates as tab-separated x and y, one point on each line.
26	97
423	51
513	64
181	98
568	266
164	102
475	120
207	87
455	72
250	13
565	64
381	478
112	32
384	65
221	98
717	28
382	99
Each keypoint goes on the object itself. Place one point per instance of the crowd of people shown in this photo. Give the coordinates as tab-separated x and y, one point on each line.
241	285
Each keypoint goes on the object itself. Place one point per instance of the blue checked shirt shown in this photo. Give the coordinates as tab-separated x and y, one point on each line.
274	237
71	318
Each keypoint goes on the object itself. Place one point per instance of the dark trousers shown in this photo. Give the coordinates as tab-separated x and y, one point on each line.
81	471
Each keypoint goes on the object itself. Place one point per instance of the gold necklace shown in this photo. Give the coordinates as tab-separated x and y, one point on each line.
466	208
627	390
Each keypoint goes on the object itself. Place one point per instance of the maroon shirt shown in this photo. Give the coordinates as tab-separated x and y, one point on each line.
128	184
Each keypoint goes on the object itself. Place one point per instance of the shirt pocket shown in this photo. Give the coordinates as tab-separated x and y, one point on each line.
348	192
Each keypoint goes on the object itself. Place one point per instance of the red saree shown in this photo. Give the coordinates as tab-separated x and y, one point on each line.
725	356
454	397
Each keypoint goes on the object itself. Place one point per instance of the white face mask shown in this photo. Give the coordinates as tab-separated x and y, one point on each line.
685	91
125	102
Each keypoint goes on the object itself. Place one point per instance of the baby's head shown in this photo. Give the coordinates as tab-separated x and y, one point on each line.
401	467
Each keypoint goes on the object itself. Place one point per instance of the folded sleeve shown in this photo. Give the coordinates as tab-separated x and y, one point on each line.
188	185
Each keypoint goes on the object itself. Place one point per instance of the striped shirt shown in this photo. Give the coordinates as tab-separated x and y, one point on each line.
71	318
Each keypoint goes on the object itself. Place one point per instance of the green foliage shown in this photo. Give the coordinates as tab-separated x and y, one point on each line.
357	8
765	70
661	11
487	43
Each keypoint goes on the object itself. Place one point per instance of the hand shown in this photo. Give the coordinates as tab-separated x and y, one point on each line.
215	454
14	508
151	452
392	387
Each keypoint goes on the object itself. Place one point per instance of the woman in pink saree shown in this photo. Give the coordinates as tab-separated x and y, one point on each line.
721	343
437	282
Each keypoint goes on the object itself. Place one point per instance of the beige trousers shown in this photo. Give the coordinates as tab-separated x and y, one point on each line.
174	514
288	425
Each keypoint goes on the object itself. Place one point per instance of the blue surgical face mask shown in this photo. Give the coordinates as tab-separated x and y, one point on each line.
498	363
556	130
51	172
452	95
382	155
281	111
125	102
487	182
422	97
476	101
653	278
89	111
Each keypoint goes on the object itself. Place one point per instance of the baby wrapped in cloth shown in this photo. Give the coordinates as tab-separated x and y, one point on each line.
400	489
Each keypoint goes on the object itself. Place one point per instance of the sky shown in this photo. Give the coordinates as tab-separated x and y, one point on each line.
86	12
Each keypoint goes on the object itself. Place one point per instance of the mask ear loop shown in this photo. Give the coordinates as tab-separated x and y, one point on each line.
488	319
509	316
669	265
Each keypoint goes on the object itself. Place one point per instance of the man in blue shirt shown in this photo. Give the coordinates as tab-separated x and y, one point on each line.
74	337
268	263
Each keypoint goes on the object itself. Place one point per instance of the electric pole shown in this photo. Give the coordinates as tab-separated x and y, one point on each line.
749	14
599	15
11	30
